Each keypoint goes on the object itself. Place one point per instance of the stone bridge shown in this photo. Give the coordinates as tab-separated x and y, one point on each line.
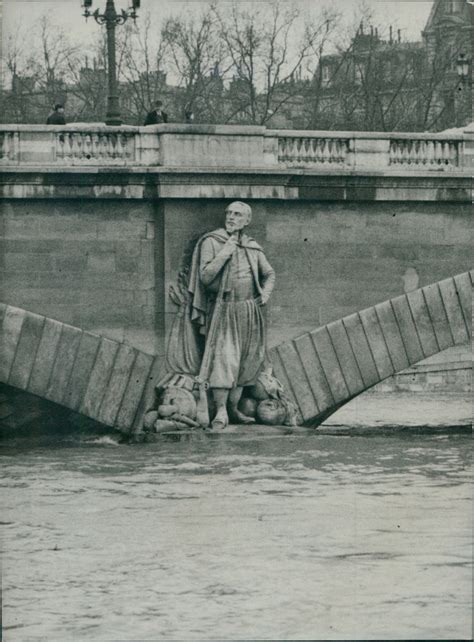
113	382
94	222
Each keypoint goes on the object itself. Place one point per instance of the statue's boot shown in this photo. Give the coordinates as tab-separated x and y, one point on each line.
221	420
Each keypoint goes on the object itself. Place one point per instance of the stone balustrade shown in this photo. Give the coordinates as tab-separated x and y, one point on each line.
240	147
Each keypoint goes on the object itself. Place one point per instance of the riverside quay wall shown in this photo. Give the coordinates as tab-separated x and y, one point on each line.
95	220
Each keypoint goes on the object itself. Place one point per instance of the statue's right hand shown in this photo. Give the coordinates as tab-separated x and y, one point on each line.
230	245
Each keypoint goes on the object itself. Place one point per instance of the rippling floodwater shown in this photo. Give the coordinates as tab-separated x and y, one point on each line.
255	537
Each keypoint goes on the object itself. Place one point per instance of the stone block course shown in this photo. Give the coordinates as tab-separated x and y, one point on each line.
68	264
118	230
124	263
28	262
101	262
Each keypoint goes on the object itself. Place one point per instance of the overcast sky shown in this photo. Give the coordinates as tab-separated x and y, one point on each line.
409	15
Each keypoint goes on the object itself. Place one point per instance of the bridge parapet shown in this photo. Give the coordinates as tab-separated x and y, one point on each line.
221	146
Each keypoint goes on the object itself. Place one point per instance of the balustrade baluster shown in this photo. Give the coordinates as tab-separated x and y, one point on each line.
329	149
298	150
79	146
95	146
455	154
103	147
4	146
424	152
10	147
447	153
416	152
319	150
392	153
110	146
15	146
281	150
326	152
68	147
59	143
7	146
71	146
405	152
304	150
442	153
87	146
119	151
451	154
430	152
348	149
398	152
125	147
128	147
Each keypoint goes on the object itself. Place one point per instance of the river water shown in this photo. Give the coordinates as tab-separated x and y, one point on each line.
337	534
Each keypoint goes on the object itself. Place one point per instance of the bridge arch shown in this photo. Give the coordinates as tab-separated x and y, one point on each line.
113	382
98	377
327	367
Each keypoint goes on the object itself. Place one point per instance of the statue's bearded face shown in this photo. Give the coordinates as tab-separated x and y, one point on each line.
235	219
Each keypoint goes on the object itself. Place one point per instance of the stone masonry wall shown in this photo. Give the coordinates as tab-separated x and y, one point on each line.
89	263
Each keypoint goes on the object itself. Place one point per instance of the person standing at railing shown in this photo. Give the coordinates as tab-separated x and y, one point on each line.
57	116
156	116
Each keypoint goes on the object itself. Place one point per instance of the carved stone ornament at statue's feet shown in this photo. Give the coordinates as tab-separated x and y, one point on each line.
239	417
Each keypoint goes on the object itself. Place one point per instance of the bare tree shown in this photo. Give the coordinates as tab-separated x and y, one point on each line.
87	87
267	47
37	64
56	52
20	78
140	66
196	55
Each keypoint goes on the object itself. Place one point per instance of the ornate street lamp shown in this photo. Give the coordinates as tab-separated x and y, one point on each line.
111	19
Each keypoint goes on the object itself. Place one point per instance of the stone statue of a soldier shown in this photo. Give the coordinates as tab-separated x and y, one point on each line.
229	266
217	342
218	337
